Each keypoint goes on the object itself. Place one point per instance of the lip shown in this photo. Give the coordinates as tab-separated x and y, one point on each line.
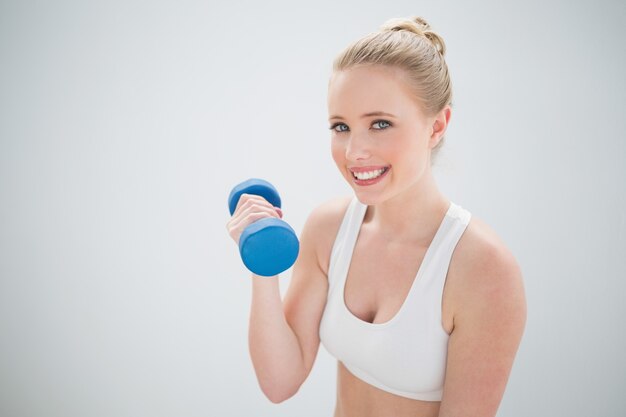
368	168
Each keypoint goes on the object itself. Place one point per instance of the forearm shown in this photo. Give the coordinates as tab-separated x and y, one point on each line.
274	347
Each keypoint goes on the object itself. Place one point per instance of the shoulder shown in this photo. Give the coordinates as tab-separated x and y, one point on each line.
488	322
322	225
481	250
487	274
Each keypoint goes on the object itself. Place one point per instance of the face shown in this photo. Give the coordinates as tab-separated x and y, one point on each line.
380	155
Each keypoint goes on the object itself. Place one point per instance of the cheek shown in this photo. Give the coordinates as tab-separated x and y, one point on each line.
404	156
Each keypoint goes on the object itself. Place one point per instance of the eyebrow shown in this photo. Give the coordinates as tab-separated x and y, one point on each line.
374	113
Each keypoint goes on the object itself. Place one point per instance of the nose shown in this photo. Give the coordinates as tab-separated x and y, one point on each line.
357	148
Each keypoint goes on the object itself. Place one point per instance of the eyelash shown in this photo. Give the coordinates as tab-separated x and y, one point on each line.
375	121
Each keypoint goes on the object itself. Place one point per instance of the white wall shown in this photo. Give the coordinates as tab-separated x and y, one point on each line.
124	125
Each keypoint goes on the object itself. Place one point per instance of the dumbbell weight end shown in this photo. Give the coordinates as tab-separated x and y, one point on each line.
268	247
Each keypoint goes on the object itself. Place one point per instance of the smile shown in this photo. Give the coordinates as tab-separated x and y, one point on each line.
369	177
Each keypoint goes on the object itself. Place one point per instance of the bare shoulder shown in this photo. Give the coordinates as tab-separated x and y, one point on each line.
480	249
323	224
485	270
489	317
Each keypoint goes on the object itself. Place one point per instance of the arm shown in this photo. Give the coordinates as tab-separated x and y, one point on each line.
487	332
283	337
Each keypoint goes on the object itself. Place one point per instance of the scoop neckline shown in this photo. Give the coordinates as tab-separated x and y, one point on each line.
416	279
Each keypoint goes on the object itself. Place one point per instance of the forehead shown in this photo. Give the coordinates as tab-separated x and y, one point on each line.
361	89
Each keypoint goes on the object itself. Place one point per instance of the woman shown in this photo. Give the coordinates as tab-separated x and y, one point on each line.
421	302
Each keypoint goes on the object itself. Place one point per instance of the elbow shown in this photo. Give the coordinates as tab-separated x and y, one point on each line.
277	399
281	384
277	395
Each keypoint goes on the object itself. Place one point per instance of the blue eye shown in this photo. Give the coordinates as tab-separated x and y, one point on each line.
382	121
335	125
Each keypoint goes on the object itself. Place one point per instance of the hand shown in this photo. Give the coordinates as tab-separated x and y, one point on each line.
250	208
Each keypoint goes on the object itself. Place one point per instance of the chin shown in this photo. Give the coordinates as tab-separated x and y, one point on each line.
367	197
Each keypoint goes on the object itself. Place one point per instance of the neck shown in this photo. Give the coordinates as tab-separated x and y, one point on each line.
413	215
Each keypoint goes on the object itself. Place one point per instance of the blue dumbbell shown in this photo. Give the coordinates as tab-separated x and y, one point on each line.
268	246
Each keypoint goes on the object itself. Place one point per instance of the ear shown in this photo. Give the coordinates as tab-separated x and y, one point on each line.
439	125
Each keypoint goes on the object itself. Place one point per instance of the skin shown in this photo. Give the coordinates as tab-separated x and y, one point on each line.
483	305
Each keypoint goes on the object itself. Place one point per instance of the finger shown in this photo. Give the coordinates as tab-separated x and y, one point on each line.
245	200
245	217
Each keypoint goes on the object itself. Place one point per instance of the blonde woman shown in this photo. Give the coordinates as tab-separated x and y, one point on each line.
421	302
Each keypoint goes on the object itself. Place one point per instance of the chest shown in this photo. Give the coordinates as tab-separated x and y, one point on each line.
380	276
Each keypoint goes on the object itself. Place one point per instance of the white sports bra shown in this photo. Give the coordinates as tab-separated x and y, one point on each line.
406	355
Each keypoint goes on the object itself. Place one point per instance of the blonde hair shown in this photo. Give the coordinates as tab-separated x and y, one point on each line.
408	43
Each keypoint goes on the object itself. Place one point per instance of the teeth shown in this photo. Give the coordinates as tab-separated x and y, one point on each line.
368	175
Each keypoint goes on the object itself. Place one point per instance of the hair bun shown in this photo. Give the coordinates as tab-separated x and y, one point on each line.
417	25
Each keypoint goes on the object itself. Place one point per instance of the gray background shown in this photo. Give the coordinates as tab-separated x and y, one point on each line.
124	124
